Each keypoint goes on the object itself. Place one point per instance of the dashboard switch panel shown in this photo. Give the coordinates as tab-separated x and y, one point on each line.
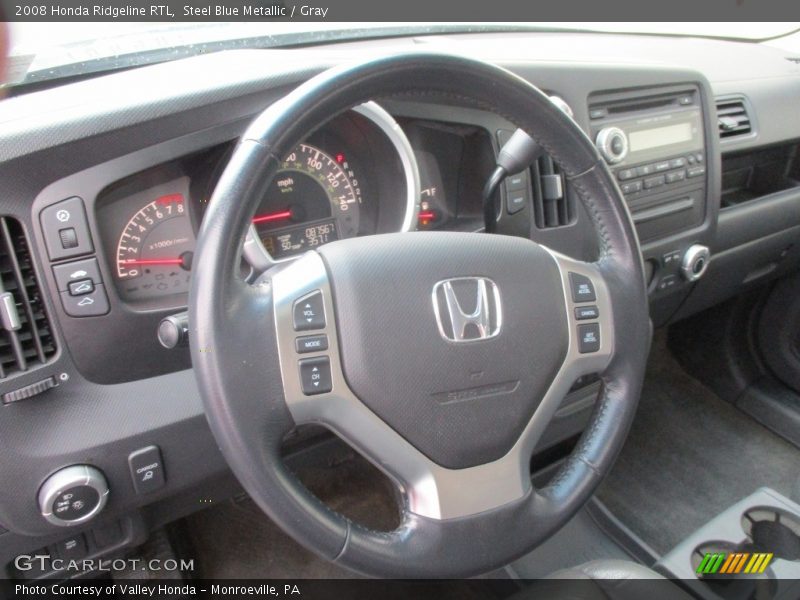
66	230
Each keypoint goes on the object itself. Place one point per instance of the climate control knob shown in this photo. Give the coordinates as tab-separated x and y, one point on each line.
73	495
612	144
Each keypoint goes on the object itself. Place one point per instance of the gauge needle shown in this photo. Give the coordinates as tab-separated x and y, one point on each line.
276	216
153	261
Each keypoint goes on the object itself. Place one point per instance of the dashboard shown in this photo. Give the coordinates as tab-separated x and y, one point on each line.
104	185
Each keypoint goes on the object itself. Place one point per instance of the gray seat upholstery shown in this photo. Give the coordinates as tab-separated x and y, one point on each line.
604	580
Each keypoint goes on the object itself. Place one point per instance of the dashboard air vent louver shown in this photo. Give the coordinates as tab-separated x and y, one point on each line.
26	338
551	202
732	118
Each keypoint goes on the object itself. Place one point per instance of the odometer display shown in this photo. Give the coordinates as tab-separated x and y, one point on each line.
288	241
314	199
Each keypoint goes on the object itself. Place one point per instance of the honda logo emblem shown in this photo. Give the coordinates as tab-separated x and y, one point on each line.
467	309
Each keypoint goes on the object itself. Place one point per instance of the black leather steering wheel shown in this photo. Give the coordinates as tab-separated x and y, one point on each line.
453	422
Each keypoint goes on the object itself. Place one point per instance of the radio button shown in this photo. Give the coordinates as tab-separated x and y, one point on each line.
696	171
645	170
677	163
653	182
631	187
691	159
662	166
699	157
624	174
676	176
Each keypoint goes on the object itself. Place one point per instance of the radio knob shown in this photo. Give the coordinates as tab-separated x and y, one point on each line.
73	495
612	144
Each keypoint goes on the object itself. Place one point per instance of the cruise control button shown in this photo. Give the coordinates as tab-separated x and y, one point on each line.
309	312
588	338
582	288
315	375
583	313
311	343
92	304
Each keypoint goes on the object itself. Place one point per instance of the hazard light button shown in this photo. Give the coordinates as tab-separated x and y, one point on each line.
309	312
315	375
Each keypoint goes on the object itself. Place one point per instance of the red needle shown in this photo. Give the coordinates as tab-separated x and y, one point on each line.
153	261
276	216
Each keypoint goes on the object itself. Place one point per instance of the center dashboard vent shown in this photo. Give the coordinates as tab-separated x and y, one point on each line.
732	118
26	337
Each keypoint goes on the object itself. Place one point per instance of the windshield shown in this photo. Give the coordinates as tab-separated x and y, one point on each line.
43	51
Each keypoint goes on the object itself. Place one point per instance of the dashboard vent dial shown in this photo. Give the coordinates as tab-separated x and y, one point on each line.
26	337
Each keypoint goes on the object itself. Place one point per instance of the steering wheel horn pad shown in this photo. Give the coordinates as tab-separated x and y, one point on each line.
452	421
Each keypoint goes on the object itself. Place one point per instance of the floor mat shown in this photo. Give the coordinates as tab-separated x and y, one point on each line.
237	540
689	456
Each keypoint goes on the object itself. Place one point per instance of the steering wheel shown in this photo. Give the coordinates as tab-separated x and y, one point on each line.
447	353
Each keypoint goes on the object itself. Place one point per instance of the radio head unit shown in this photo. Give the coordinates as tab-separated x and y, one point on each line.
654	144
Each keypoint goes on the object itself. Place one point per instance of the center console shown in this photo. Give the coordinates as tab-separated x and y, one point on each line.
750	551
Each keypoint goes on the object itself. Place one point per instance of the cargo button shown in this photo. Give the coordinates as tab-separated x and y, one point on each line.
309	312
147	469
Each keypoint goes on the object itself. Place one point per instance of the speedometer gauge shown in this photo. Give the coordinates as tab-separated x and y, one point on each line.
313	199
154	251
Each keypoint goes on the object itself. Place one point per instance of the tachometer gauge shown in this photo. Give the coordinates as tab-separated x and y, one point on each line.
313	199
154	251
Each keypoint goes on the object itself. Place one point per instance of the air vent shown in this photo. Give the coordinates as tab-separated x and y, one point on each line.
732	118
551	202
26	339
